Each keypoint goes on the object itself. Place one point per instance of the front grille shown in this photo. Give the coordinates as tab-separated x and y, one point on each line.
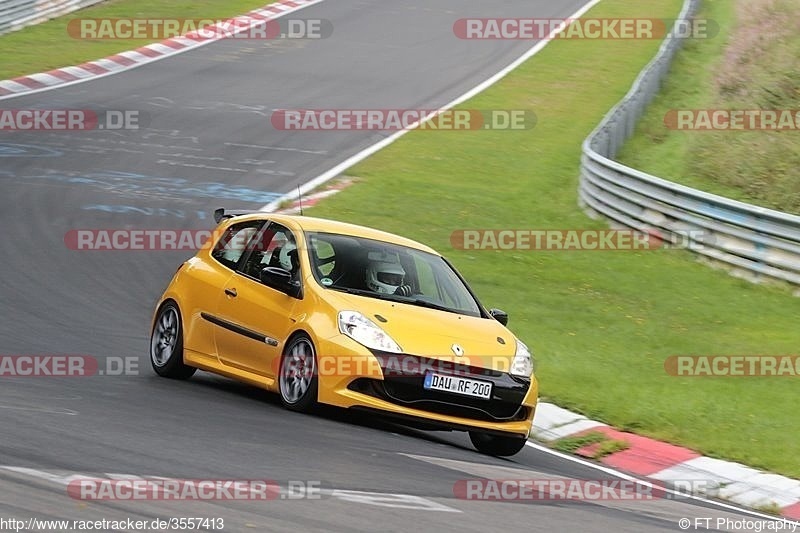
505	405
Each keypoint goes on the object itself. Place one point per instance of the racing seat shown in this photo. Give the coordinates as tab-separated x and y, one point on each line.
294	260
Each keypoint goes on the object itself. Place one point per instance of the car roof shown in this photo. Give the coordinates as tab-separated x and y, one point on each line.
324	225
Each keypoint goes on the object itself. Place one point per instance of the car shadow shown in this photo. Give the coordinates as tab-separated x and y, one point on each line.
327	412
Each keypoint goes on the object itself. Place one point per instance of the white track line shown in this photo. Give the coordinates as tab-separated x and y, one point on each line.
360	156
627	477
119	68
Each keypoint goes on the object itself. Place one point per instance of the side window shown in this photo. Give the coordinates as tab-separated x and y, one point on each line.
233	243
278	249
324	255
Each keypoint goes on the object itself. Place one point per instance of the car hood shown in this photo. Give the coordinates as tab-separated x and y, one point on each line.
432	333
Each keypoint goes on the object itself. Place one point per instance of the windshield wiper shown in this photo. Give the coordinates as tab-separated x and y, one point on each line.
351	290
425	303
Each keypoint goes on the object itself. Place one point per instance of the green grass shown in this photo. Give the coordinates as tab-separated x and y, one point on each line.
610	446
601	323
573	444
751	64
770	508
48	45
605	445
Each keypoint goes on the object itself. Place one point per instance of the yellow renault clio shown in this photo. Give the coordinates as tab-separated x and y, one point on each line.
320	311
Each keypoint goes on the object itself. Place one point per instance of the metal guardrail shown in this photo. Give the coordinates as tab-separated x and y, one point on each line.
758	242
15	14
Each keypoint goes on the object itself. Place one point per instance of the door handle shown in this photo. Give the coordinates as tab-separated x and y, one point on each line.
231	292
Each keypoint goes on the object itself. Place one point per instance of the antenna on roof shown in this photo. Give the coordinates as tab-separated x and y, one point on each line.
300	200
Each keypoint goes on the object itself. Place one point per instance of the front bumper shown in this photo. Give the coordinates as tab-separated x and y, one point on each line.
393	384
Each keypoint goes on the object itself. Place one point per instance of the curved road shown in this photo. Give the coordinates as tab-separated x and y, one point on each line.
208	142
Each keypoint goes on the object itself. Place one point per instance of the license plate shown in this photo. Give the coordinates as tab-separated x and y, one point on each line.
458	385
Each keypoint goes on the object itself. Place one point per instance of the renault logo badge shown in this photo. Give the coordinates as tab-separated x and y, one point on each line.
458	350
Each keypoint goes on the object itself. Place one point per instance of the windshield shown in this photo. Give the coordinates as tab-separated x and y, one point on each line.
387	271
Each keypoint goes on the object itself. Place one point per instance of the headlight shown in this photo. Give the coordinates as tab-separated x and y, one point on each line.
522	365
364	331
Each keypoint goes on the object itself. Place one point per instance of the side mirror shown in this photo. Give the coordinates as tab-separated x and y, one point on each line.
281	280
499	315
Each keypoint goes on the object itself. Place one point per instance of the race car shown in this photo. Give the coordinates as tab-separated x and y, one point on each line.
326	312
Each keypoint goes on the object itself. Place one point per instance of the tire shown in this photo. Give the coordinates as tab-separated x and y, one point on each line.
499	446
297	375
166	344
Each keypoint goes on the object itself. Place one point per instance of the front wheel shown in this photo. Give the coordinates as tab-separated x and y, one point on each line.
297	378
166	344
497	445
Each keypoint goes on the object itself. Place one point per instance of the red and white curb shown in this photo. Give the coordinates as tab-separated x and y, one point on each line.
652	459
304	202
146	54
737	483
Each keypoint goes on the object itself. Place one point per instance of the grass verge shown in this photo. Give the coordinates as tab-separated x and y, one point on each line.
602	445
573	444
751	64
601	323
48	45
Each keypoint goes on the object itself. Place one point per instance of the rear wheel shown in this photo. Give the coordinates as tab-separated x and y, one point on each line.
297	378
166	344
500	446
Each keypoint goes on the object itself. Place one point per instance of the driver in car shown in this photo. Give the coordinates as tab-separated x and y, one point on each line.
386	277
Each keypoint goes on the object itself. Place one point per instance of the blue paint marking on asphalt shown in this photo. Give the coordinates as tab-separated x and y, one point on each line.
146	211
27	150
128	182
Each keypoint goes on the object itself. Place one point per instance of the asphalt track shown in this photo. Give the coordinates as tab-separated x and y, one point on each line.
209	142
